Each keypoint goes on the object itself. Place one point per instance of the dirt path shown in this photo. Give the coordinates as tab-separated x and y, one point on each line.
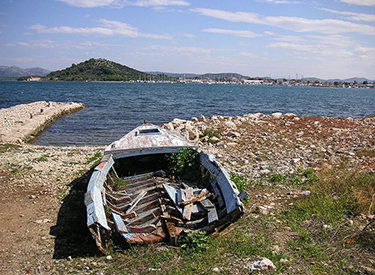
38	214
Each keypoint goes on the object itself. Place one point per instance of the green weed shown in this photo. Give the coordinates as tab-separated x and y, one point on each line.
241	184
185	164
195	242
277	178
7	147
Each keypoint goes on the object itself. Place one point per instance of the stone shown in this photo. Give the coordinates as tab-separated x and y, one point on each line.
177	122
277	115
306	193
261	210
261	264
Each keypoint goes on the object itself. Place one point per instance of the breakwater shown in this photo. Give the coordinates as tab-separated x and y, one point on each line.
22	123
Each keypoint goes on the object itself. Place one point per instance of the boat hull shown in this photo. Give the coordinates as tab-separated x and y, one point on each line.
132	193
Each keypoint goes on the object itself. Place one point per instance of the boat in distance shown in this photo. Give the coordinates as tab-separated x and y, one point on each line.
153	185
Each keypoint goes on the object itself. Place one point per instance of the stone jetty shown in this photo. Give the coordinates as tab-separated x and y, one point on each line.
22	123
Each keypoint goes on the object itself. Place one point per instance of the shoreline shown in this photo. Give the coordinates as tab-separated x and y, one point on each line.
22	123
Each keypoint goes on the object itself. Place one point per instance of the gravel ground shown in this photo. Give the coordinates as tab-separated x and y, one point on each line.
41	233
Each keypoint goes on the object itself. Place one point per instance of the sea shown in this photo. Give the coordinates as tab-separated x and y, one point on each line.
113	109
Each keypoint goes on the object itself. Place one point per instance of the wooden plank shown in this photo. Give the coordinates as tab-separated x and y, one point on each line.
142	229
120	225
180	196
187	209
171	192
207	203
202	194
212	215
146	216
135	202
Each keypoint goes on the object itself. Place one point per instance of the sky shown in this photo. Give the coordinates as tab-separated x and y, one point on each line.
261	38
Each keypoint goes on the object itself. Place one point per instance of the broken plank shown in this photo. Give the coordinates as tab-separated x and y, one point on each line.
135	202
212	215
187	209
120	225
142	229
202	194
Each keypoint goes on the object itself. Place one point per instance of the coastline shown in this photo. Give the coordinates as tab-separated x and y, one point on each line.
22	123
43	215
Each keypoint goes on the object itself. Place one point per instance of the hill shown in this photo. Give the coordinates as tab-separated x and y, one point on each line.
97	70
13	71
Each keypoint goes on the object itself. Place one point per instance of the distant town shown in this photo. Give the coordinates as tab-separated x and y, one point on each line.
243	81
279	81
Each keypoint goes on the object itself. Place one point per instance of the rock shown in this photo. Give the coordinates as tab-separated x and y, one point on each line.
192	134
177	122
277	115
261	210
261	264
306	193
202	118
229	124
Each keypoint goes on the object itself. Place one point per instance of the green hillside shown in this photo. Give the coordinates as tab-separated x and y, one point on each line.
97	70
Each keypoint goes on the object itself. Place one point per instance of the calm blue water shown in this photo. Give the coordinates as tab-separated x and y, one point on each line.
113	109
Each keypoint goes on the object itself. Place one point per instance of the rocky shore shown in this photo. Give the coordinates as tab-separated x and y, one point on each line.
23	122
258	144
41	215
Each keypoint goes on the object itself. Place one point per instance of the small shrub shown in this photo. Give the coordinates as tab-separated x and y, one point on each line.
277	178
185	164
195	242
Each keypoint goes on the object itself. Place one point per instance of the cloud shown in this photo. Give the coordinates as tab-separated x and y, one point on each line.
122	3
353	15
280	1
289	38
89	3
168	51
339	41
370	3
53	44
366	53
157	3
189	35
108	28
323	50
247	34
297	24
252	56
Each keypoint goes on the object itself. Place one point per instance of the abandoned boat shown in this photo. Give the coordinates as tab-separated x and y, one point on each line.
153	185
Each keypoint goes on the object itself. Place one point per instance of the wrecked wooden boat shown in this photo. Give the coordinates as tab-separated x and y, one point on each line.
152	185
